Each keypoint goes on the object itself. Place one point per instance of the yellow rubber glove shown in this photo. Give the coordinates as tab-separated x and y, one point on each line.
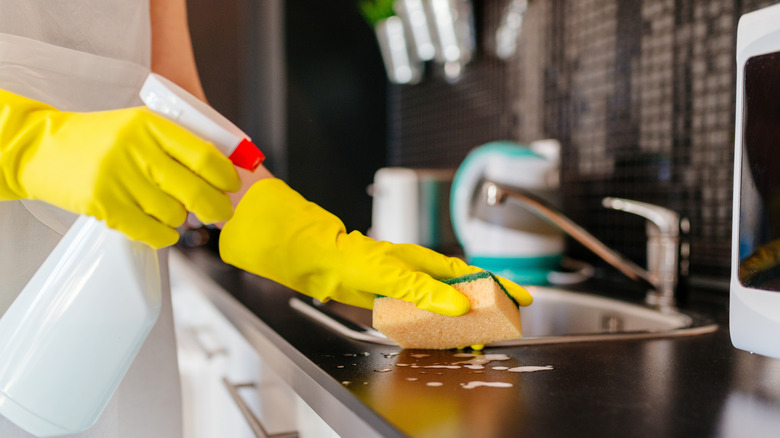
278	234
137	171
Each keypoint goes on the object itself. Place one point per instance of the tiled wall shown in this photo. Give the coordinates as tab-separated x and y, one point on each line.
640	94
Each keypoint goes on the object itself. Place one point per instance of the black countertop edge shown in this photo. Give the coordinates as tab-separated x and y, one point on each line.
697	386
343	412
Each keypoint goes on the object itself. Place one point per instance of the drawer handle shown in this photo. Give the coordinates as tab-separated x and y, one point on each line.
254	422
195	334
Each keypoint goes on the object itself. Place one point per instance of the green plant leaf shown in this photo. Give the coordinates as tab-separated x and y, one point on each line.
375	11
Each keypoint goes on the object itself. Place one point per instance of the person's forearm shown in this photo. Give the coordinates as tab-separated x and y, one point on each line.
172	54
248	179
173	57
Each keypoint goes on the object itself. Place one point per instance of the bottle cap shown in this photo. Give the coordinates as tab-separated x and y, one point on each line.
175	103
247	155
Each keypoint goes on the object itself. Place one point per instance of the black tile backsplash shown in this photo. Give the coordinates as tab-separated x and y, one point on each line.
639	93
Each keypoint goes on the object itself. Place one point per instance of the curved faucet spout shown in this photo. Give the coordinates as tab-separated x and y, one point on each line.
495	194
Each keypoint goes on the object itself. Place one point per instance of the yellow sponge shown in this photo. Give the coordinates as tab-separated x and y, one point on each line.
494	316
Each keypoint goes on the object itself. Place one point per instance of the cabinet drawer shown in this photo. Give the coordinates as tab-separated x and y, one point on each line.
227	389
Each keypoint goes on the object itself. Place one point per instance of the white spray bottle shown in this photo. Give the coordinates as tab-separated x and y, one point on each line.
70	336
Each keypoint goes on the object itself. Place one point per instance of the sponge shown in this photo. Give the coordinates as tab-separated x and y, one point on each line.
494	316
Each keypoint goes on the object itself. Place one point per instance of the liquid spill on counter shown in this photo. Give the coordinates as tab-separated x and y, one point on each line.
475	384
529	369
476	362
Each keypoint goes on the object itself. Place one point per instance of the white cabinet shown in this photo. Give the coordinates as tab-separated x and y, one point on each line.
227	388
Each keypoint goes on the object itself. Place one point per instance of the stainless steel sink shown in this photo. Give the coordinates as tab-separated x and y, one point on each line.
556	316
562	316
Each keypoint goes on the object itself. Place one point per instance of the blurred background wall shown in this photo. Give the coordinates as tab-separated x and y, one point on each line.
640	93
305	80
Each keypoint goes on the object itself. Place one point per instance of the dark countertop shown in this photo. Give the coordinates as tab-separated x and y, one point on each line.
698	386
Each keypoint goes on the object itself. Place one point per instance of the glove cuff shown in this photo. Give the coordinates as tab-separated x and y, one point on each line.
274	226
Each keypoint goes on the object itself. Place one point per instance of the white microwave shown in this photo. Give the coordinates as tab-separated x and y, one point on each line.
755	255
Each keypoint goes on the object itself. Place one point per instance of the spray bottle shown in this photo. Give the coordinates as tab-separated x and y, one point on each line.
70	336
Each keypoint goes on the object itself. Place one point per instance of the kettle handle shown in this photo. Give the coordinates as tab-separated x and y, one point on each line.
468	177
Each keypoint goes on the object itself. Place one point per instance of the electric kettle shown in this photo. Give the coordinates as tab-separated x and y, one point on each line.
508	240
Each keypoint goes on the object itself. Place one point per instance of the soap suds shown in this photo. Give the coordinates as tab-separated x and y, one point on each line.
480	359
477	383
529	369
473	362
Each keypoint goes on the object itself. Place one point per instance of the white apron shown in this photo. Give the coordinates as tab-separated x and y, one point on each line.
84	55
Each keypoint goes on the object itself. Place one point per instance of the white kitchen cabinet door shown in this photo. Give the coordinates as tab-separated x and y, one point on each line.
222	374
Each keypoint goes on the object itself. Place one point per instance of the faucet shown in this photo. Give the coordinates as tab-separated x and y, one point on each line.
664	227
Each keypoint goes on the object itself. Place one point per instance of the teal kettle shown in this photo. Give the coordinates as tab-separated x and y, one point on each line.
508	240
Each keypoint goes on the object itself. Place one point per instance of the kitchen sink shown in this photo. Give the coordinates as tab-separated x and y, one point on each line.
556	316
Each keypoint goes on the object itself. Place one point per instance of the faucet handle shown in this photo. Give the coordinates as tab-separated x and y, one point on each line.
666	257
666	221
